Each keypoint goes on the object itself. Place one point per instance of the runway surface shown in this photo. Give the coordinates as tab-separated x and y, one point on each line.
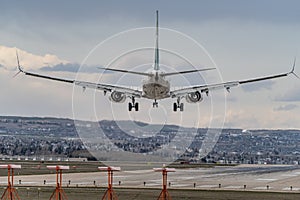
242	177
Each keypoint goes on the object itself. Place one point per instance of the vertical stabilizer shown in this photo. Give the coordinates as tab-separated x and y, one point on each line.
156	62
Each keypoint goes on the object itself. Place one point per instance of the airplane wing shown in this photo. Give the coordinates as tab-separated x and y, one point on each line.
99	86
110	88
226	85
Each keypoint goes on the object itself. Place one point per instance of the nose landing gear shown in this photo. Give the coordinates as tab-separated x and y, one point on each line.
155	104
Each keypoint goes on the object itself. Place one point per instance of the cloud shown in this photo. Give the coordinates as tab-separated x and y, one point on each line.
27	60
251	87
287	107
47	62
68	67
194	10
289	96
241	118
72	67
3	67
231	98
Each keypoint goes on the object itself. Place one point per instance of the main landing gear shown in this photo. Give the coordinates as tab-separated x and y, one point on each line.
133	104
177	105
155	104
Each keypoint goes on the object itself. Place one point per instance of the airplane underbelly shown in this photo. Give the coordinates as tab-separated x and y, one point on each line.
155	91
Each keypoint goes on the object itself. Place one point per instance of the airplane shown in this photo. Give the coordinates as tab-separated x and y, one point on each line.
156	86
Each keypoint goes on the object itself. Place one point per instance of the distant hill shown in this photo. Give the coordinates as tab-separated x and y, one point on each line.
37	137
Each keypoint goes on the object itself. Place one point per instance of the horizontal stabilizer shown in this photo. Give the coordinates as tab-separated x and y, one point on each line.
186	72
126	71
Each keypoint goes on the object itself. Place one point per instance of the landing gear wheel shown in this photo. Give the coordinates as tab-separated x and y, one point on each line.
155	104
133	104
136	106
181	107
175	107
130	106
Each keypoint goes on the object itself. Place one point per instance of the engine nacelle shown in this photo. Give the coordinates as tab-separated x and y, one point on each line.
194	97
117	97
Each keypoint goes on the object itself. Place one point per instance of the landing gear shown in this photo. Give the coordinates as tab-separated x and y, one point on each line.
178	105
155	104
133	104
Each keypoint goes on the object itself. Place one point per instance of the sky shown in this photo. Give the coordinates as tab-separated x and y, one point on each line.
242	39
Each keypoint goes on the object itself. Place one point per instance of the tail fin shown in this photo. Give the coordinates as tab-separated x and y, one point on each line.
156	62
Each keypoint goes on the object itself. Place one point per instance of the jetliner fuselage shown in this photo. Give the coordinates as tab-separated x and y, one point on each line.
156	87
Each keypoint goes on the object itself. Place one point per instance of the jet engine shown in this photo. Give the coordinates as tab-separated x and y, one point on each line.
117	97
194	97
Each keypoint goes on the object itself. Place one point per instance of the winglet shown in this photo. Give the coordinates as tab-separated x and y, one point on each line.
19	67
293	69
18	61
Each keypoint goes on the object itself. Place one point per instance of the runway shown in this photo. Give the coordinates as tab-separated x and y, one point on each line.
243	177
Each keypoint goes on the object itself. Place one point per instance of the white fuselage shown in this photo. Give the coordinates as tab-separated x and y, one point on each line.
156	87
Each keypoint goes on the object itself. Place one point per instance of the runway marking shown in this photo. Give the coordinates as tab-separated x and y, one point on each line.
289	188
27	182
262	188
86	183
289	175
234	187
152	184
139	181
266	179
120	176
141	172
208	186
186	178
50	182
180	185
